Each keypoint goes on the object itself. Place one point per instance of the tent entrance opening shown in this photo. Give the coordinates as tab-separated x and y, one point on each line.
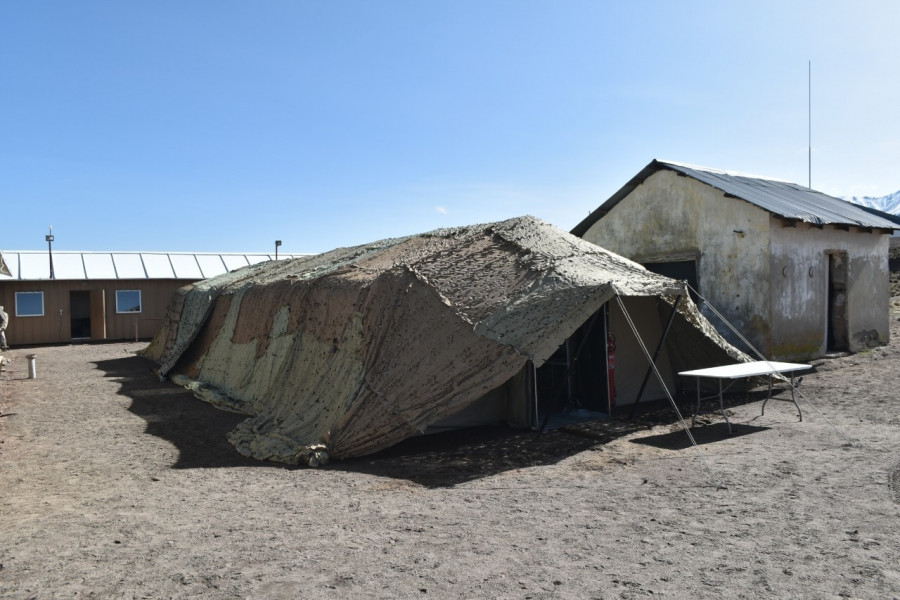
575	377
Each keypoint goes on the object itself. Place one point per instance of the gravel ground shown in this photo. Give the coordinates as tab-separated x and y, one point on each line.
115	484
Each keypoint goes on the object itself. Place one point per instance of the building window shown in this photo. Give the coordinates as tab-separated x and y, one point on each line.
128	301
29	304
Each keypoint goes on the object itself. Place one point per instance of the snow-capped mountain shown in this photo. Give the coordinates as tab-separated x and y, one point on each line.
888	204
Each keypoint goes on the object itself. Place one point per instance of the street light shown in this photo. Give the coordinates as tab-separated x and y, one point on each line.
277	244
49	238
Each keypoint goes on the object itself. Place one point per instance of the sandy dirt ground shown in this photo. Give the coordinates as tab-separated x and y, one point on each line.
116	485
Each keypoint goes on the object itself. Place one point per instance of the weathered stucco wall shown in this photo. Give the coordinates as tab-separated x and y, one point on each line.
770	281
671	217
800	274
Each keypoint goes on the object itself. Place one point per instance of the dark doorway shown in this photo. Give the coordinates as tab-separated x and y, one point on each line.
575	377
80	314
837	338
682	270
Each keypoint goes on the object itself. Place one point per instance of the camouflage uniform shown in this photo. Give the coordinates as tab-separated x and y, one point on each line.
4	321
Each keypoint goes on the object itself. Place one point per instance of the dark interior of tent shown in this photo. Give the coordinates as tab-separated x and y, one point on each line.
575	379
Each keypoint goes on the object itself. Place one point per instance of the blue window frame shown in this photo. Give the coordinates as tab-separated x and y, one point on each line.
29	304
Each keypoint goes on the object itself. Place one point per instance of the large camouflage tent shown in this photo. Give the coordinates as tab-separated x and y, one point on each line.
348	352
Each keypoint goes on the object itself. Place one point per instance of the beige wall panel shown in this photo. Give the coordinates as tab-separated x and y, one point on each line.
55	326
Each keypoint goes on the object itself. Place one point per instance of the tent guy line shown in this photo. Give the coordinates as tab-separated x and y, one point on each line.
715	480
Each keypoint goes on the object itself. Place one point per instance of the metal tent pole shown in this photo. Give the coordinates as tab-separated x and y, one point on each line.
659	346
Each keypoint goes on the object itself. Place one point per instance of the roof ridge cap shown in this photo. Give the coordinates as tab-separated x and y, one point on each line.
724	172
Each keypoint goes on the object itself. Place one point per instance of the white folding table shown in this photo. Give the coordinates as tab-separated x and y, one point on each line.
757	368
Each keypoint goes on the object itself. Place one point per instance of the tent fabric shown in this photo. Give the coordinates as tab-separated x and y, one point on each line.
348	352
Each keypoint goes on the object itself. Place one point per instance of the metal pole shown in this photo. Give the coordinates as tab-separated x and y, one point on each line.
662	383
659	347
49	238
609	396
534	385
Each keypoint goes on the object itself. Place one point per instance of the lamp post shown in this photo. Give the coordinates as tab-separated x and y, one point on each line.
277	244
49	238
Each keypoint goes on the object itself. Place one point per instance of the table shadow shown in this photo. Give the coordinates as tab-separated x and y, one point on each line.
702	434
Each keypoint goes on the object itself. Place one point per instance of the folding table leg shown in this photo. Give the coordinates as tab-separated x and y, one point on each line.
768	396
794	399
722	407
697	410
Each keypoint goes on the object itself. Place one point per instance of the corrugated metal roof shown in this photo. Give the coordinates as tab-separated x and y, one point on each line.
35	264
781	198
785	199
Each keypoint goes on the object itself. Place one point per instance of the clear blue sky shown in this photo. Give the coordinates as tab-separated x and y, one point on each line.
217	125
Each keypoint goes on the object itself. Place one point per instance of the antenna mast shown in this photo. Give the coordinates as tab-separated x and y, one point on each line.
809	115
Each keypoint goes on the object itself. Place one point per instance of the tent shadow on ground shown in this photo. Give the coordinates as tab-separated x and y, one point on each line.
455	457
197	429
452	458
199	432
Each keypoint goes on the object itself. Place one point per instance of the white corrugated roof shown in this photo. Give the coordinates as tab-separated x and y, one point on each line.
35	264
186	266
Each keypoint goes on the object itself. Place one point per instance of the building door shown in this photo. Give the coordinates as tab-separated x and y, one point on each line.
837	326
682	270
87	314
80	314
98	314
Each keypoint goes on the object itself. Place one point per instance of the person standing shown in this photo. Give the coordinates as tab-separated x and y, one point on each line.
4	321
